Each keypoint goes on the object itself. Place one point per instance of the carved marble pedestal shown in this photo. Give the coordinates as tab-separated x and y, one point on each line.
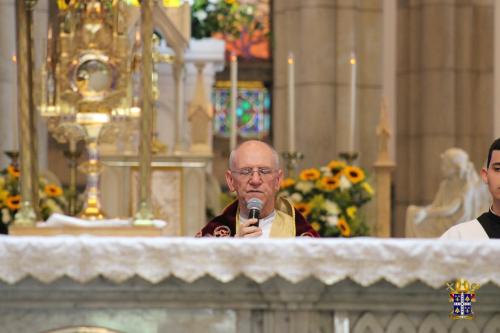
178	190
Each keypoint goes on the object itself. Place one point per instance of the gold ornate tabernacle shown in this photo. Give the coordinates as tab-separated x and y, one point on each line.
96	79
87	81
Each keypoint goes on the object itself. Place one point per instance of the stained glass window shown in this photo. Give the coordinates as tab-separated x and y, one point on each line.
252	111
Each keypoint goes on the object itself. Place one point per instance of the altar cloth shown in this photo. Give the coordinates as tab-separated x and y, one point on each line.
363	260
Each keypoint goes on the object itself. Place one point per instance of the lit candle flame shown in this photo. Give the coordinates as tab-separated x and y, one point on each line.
233	57
14	58
353	61
290	60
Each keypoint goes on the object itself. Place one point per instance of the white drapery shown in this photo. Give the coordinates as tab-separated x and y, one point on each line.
364	260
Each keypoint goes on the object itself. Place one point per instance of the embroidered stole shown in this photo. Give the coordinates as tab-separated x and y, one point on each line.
283	225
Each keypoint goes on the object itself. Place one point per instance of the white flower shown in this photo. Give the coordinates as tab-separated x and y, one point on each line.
53	206
5	216
326	171
344	183
213	1
210	7
296	197
304	187
332	220
200	15
331	207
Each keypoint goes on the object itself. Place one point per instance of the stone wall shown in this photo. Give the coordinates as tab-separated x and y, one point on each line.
444	92
322	34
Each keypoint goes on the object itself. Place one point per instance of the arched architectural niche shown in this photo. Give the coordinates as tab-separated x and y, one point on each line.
368	324
465	326
493	325
401	324
82	329
432	324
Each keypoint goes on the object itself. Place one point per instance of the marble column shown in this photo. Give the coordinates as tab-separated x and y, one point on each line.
322	44
306	28
8	78
444	82
8	81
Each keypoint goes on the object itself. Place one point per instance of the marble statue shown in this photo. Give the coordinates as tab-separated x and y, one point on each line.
461	197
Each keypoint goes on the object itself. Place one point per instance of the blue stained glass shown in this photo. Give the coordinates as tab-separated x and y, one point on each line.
253	110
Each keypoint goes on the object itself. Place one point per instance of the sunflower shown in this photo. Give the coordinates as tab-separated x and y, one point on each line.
52	190
171	3
316	226
351	211
368	188
344	228
13	202
13	171
303	208
310	174
64	4
329	183
354	174
4	194
336	166
287	183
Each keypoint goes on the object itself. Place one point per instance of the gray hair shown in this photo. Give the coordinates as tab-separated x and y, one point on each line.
232	156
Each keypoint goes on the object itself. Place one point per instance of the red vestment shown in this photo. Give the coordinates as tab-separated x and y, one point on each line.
224	225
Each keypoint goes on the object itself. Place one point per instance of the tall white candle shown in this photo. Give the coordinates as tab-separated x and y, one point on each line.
234	99
291	103
15	113
352	113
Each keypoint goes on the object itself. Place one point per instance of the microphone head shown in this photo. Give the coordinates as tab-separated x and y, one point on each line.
255	203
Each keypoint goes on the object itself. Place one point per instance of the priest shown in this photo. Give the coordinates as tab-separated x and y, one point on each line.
487	225
255	176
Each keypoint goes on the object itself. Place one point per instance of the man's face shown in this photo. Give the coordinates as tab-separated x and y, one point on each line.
261	185
491	176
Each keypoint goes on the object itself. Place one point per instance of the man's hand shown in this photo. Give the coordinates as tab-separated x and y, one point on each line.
248	229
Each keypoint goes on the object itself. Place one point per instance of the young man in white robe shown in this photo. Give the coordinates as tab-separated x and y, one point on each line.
487	225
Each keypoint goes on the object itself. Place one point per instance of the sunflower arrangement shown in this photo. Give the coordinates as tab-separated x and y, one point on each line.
331	198
51	196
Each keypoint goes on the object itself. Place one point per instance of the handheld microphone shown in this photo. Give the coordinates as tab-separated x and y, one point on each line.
254	207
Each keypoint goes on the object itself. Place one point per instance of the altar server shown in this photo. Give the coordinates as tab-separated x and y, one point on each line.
487	225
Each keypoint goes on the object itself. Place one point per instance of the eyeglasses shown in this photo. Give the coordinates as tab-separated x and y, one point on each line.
248	172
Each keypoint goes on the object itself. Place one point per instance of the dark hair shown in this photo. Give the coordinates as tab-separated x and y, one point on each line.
494	146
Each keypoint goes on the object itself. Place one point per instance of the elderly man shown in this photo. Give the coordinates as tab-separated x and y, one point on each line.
254	174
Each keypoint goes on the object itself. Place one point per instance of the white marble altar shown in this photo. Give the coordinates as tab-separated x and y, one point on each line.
177	185
230	285
209	52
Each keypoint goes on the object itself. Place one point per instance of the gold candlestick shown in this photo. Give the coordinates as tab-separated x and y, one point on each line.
349	157
72	154
144	215
26	216
292	160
